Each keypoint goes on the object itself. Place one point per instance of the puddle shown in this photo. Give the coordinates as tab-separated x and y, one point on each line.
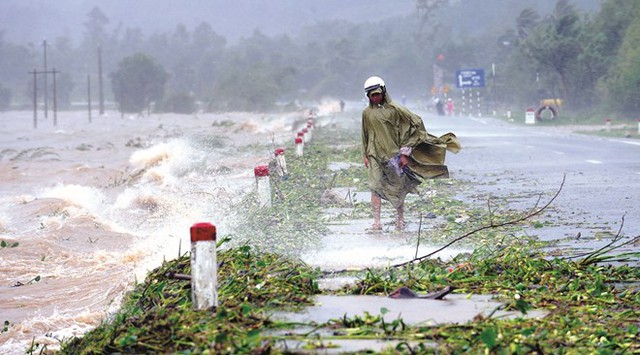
455	308
341	346
350	245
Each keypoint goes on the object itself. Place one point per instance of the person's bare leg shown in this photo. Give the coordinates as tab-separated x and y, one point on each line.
376	204
400	217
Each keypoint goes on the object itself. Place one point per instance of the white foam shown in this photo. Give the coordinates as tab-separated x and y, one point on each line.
85	197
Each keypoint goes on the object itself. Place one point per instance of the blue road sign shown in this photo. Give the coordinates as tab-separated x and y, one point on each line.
470	78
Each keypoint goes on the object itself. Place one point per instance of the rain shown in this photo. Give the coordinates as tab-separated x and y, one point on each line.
124	123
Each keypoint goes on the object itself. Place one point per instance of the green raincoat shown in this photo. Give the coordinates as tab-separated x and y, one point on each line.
388	127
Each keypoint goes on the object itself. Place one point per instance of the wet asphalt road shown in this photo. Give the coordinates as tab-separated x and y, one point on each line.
515	164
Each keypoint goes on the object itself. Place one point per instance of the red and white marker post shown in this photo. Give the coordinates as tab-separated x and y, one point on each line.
281	163
204	267
299	146
607	124
530	116
307	135
263	185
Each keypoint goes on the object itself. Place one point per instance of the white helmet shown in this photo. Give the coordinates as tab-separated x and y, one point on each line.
373	83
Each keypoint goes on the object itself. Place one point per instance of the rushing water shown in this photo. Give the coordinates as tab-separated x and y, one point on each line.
95	205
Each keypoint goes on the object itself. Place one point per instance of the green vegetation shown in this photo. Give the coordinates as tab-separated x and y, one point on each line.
138	81
5	244
589	305
158	317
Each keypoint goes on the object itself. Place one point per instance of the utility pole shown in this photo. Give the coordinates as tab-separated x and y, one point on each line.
35	73
35	97
46	88
100	87
55	98
89	96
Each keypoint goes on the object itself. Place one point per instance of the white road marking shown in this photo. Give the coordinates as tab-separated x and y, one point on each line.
593	161
559	153
629	142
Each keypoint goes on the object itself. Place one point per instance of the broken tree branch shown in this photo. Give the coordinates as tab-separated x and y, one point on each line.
491	225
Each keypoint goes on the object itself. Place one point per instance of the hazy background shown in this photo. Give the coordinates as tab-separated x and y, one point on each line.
261	55
33	20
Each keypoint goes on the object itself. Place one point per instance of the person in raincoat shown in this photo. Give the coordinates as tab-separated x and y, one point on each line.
398	151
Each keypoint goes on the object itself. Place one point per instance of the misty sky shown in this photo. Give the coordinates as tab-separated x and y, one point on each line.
32	20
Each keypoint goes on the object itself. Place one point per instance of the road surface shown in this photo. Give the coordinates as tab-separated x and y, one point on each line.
517	163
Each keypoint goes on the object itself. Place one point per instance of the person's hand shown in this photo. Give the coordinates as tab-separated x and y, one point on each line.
404	160
366	162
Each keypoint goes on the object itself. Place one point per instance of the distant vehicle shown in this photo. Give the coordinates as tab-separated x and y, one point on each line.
548	109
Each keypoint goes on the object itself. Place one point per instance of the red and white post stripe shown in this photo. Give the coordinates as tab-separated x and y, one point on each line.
204	267
263	185
299	146
281	163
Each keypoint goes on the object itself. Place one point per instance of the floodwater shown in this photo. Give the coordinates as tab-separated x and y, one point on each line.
95	205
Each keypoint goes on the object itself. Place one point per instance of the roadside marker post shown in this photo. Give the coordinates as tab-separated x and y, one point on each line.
263	185
299	146
307	134
530	116
204	267
281	163
607	124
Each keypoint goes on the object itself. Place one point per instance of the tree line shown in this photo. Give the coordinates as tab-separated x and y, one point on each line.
591	61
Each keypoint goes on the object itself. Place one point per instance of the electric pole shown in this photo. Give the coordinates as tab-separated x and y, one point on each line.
89	96
55	98
46	98
35	97
100	87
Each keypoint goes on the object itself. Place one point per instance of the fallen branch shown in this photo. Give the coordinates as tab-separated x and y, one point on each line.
599	255
491	225
177	276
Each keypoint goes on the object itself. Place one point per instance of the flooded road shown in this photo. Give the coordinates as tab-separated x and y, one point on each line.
95	205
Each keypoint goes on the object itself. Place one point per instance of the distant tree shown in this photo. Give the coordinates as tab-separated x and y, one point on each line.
554	44
426	10
95	26
256	74
526	22
132	41
246	89
64	54
138	81
207	50
179	103
624	78
15	62
64	88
